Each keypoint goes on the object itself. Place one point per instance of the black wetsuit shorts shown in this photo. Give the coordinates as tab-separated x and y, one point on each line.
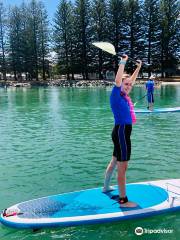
122	142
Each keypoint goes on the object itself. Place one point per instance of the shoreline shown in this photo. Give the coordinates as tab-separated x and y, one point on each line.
80	83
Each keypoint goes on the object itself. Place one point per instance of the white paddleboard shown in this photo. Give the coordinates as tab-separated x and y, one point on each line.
158	110
92	206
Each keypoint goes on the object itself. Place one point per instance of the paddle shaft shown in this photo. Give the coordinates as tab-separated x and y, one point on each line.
140	99
109	47
131	59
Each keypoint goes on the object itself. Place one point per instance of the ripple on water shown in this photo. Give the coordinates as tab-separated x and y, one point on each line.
59	140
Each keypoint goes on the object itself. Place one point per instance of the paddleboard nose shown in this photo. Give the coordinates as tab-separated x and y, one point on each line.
12	211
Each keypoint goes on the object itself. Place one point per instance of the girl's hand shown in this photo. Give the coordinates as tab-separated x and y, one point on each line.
124	57
138	63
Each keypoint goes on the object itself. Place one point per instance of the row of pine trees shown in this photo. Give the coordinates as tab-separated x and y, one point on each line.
147	30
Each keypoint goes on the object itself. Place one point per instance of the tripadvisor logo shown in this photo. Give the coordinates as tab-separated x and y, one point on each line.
139	231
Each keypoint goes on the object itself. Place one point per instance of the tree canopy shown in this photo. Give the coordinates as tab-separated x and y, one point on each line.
147	30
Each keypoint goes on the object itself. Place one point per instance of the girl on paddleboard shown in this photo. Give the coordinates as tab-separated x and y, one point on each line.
124	116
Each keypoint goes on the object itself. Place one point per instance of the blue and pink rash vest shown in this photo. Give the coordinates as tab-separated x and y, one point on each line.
122	107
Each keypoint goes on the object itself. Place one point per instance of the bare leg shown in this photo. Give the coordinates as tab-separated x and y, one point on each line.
108	174
151	106
122	167
151	103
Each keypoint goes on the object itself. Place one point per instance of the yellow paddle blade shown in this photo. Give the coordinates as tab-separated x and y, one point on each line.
105	46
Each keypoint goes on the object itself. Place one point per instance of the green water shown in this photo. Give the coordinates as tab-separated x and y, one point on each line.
55	140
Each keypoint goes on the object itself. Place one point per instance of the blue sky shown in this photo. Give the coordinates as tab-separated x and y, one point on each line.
51	5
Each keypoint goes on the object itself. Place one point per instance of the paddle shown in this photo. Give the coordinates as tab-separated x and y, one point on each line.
144	97
108	47
139	99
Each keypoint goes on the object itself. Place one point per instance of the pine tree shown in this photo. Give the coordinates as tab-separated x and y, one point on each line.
63	30
43	39
151	29
169	10
148	30
15	42
82	37
100	32
118	26
33	31
3	29
134	30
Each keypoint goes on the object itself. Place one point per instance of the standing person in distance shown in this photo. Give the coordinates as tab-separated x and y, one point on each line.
150	92
124	116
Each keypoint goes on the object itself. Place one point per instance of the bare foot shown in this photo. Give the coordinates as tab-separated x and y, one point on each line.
129	205
109	189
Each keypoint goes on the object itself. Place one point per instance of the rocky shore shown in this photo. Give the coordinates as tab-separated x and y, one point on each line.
60	83
77	83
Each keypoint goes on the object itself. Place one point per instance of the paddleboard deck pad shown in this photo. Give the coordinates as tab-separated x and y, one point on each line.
92	206
158	110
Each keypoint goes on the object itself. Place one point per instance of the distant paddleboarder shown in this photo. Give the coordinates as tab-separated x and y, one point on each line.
150	92
124	116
